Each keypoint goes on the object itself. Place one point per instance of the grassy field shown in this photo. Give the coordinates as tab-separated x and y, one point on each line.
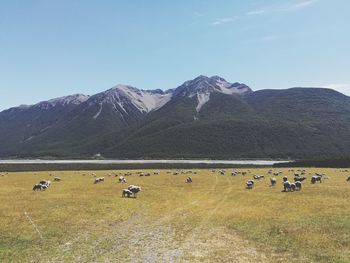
214	219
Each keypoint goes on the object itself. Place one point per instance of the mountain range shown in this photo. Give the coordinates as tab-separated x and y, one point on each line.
207	117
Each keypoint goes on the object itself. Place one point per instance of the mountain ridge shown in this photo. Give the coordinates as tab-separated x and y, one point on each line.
203	117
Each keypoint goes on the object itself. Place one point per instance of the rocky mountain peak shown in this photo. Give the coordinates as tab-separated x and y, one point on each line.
123	95
203	86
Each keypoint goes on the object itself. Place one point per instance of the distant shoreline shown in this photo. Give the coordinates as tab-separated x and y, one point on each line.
64	165
142	161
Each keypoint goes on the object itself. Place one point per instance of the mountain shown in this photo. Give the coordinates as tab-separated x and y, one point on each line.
204	117
21	124
202	87
72	124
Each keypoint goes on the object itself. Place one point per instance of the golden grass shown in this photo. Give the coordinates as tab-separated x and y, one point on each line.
214	219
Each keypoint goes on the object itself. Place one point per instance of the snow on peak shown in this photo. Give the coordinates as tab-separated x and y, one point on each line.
72	99
144	100
75	99
203	86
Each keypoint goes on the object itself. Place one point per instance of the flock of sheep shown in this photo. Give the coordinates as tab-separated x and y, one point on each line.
44	184
132	190
287	185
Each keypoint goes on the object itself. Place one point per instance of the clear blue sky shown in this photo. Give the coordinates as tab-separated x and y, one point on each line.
53	48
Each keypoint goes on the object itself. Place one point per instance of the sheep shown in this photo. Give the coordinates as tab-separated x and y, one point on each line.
299	179
57	179
286	186
122	179
250	184
273	181
99	179
189	180
126	192
37	187
285	178
348	179
298	185
134	189
316	178
43	182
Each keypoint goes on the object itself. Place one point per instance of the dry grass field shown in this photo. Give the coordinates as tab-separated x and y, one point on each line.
214	219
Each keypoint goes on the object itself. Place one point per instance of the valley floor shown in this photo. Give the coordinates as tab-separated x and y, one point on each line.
214	219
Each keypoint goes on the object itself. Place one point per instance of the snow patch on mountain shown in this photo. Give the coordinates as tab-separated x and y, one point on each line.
99	111
226	88
119	105
144	100
203	98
